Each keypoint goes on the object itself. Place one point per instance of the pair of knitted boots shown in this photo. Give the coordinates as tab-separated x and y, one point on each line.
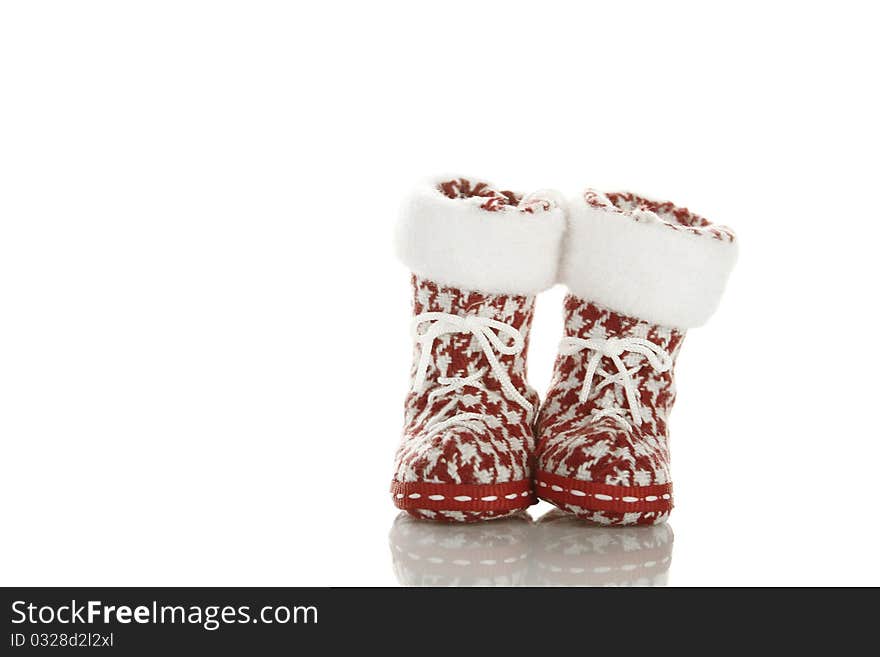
477	443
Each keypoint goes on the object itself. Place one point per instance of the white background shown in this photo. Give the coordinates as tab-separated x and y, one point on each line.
204	339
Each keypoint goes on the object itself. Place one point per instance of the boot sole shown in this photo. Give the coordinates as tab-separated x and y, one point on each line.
462	502
585	497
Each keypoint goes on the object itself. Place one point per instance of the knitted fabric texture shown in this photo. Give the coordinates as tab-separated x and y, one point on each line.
641	209
495	200
593	459
478	255
478	468
640	273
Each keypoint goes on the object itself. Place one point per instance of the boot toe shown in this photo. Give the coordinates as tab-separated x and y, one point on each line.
462	474
607	472
459	456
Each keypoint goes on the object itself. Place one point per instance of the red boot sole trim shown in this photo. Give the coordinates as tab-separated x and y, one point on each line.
463	497
602	497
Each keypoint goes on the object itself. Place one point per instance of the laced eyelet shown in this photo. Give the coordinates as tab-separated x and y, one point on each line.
614	348
490	334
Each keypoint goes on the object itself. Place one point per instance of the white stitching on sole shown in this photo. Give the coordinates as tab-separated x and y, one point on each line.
463	498
627	499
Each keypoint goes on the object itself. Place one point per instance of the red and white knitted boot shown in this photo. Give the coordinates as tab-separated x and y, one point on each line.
478	257
640	273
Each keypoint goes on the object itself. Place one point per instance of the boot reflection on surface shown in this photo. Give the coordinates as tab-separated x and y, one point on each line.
493	553
557	550
568	552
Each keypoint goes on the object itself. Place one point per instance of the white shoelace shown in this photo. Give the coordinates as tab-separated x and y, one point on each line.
613	348
438	422
613	413
488	333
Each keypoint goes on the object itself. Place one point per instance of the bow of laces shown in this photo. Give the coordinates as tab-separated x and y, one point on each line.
492	336
613	348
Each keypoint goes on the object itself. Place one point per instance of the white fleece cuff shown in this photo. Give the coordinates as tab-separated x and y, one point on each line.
510	249
647	259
